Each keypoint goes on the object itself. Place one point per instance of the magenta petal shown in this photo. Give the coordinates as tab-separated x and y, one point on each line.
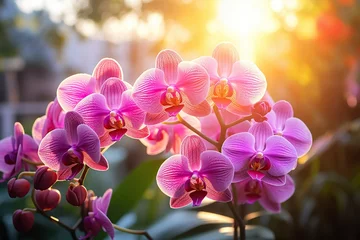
282	155
256	174
18	134
270	206
106	69
69	172
283	111
226	55
102	165
102	203
30	148
37	129
261	131
138	133
217	169
194	81
239	148
88	142
197	197
172	175
275	181
168	60
248	81
131	111
155	118
72	121
224	196
192	147
180	201
297	133
201	110
6	147
148	89
73	89
52	148
18	164
93	109
241	175
280	194
113	89
117	134
106	224
210	65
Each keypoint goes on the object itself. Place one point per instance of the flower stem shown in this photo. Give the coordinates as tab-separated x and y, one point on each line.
247	118
52	218
83	175
186	124
130	231
28	161
238	219
24	174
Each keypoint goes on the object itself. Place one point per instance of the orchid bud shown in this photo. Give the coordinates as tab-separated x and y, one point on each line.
76	194
47	199
44	178
18	187
23	221
259	110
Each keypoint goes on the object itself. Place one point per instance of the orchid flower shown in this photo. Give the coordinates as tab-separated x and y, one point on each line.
292	129
172	86
54	118
12	151
97	219
113	113
194	174
260	155
76	87
234	83
67	150
168	137
269	196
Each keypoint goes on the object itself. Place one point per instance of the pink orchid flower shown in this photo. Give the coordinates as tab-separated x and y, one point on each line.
12	151
269	196
113	113
194	174
234	83
97	219
173	86
168	137
292	129
67	150
76	87
54	118
260	155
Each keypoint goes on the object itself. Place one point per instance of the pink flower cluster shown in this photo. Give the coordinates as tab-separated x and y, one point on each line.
212	113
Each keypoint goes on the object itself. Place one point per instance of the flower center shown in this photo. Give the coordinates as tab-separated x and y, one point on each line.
10	158
72	156
223	89
195	183
171	97
259	163
114	121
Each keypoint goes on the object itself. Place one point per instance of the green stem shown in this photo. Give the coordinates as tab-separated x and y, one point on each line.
23	174
186	124
239	220
83	175
130	231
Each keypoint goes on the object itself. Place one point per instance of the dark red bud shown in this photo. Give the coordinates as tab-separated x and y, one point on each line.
44	178
23	220
259	110
47	199
76	194
18	187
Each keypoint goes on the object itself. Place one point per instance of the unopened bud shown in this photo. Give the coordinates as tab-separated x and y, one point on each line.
47	199
44	178
259	110
23	220
18	187
76	194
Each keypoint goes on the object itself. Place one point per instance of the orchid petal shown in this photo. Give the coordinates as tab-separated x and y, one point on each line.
283	111
18	134
248	81
88	142
192	147
148	89
270	206
73	89
105	223
224	196
6	147
282	155
72	121
210	65
172	175
261	131
297	133
113	89
180	201
241	175
226	55
279	194
275	181
30	148
106	69
138	133
102	165
201	110
69	172
37	129
131	111
168	60
155	118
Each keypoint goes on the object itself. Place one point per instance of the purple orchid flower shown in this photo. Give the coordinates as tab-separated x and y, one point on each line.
76	87
260	155
173	86
54	118
233	83
97	219
292	129
113	113
67	150
12	151
269	196
195	174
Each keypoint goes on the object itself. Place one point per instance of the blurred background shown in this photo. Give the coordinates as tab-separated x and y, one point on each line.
308	50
